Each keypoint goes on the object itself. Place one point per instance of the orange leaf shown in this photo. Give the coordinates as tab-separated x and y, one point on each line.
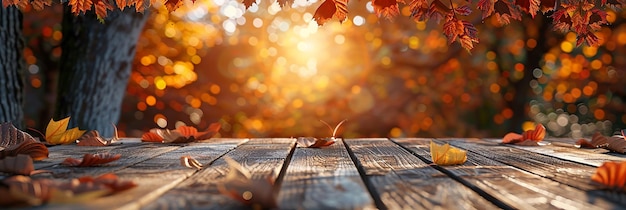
446	154
386	8
14	141
612	175
527	138
151	137
187	131
210	132
92	160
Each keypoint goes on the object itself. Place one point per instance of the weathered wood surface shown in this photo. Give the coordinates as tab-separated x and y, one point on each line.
351	174
323	178
261	156
486	170
402	181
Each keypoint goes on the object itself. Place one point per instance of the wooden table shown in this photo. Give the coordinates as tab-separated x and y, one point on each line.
351	174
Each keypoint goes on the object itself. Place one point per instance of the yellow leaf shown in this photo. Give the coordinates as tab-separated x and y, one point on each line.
55	130
447	155
70	135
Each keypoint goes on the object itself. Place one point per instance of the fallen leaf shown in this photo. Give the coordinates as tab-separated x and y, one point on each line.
20	190
182	134
528	138
239	185
93	138
313	142
57	133
612	175
14	141
21	165
447	155
92	160
210	132
613	143
190	162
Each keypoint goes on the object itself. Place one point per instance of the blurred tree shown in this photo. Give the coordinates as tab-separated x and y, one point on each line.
11	65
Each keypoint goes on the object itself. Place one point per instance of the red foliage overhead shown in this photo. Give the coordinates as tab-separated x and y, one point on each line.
583	17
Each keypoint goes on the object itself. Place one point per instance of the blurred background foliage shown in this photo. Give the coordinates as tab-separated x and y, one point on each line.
268	72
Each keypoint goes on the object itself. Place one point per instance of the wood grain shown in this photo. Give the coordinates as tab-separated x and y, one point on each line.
323	178
515	187
585	156
158	174
261	156
403	181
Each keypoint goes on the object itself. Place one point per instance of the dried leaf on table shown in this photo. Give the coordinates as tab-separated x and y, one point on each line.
22	190
93	138
182	134
447	155
210	132
239	185
611	175
92	160
190	162
313	142
57	133
14	141
528	138
613	143
21	164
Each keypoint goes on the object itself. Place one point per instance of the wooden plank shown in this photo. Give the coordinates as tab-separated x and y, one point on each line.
58	153
585	156
323	178
157	175
403	181
519	189
261	156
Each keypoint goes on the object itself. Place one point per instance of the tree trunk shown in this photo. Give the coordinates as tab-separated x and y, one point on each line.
95	67
521	99
11	66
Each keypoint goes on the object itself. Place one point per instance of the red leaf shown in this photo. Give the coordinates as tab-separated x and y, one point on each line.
504	12
486	6
463	10
419	9
283	3
172	5
529	6
92	159
511	138
438	10
562	21
248	3
547	5
386	8
325	12
617	5
597	18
